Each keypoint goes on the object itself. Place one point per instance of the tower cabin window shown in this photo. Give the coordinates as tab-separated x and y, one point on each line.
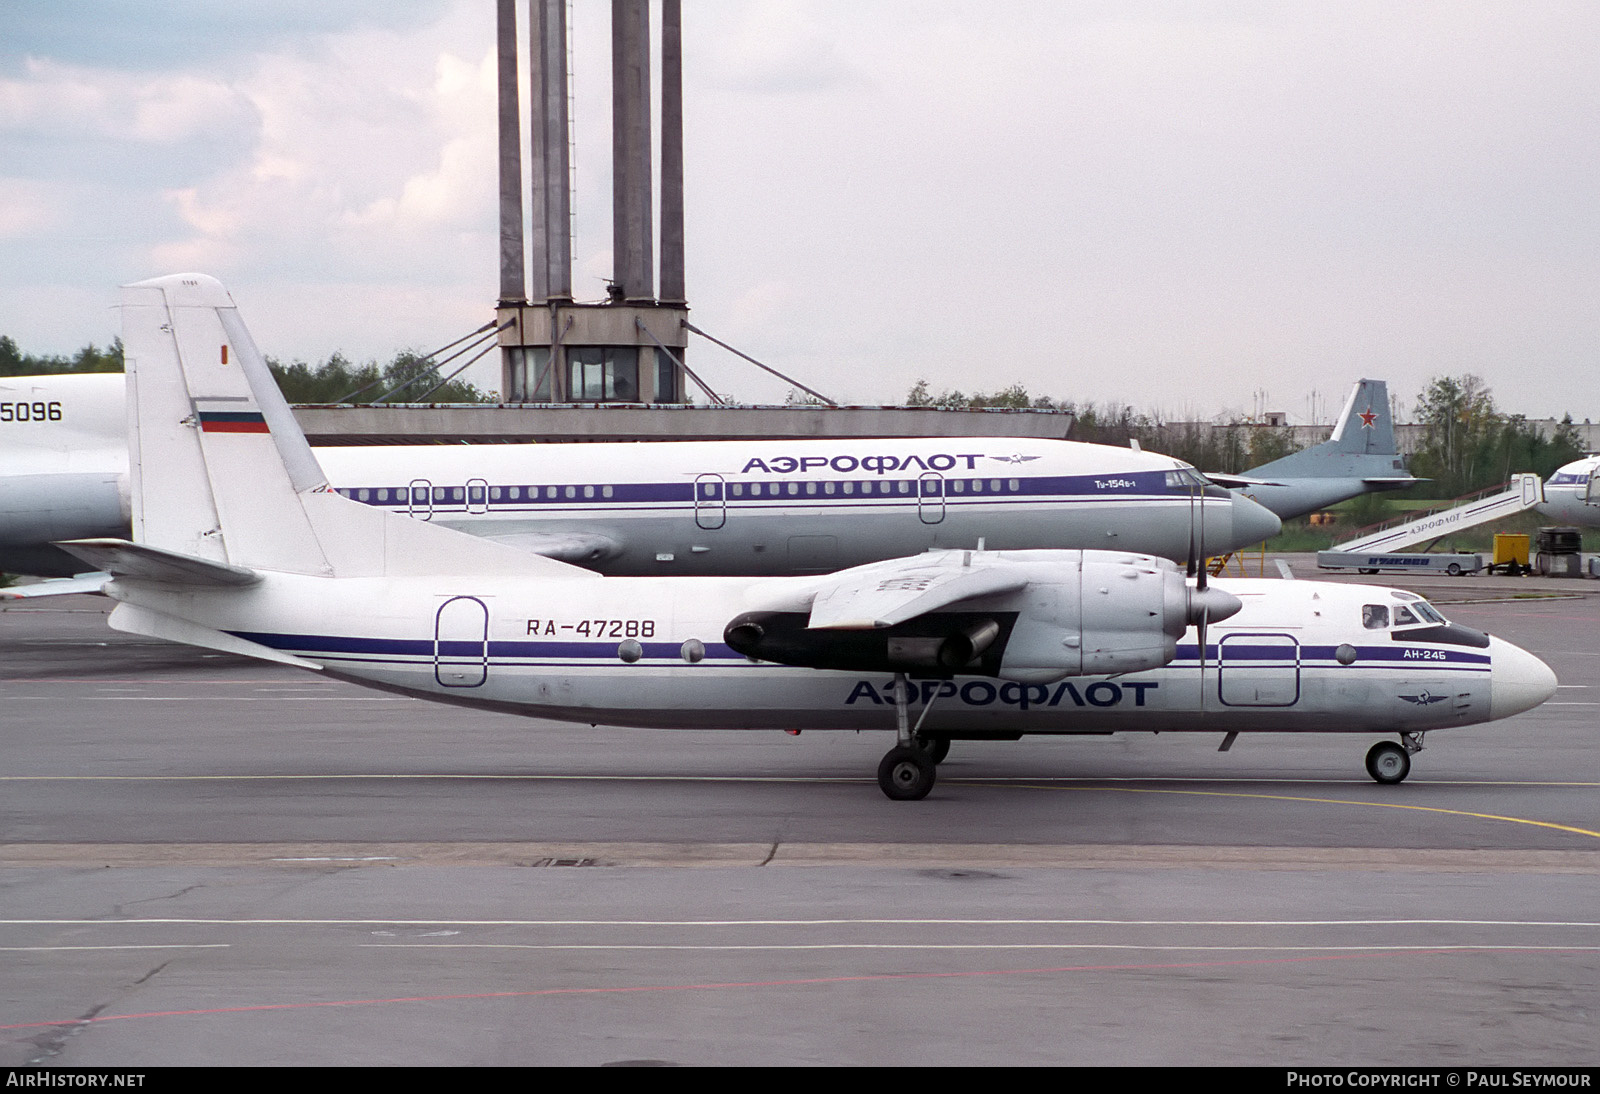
603	374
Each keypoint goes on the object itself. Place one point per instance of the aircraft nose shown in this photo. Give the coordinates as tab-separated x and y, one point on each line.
1518	680
1253	522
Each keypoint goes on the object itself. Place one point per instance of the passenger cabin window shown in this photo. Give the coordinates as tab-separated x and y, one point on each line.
1374	617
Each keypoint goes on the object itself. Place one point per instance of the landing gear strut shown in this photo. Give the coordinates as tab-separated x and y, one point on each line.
906	773
936	748
1390	763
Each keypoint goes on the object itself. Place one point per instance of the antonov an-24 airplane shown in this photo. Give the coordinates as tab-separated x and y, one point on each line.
239	544
667	508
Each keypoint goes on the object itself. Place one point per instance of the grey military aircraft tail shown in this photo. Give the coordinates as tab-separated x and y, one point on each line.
1360	457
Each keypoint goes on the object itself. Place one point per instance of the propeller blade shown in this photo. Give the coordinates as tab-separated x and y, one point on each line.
1191	562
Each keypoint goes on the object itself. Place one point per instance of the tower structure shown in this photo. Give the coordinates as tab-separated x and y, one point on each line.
629	348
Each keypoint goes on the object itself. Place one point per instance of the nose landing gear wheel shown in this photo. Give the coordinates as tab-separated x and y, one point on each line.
906	774
1388	763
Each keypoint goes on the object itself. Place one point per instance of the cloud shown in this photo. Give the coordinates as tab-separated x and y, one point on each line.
1099	200
28	207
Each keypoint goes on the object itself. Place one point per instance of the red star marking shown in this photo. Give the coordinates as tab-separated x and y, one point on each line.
1367	418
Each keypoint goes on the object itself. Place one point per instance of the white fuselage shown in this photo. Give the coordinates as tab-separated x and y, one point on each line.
1296	657
666	508
1572	494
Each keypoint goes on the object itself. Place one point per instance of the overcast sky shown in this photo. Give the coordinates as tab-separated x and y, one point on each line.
1195	208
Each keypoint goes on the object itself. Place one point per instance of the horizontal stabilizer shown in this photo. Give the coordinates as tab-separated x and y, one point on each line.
61	586
133	619
120	558
874	597
1235	482
579	548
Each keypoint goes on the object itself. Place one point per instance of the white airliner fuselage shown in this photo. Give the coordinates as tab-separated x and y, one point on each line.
668	508
1572	494
1299	656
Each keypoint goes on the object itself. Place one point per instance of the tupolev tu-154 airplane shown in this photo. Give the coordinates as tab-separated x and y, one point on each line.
680	507
239	544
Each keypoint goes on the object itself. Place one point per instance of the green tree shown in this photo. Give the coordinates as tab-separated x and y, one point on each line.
13	362
1469	445
330	381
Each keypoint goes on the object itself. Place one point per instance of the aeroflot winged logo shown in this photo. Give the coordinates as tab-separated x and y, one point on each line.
1424	698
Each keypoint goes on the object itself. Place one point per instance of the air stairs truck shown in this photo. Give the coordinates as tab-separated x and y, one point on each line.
1380	547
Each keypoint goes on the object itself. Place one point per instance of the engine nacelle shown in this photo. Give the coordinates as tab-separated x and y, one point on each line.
938	644
1081	613
1115	613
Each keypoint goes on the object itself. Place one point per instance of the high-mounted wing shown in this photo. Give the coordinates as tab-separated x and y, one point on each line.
880	596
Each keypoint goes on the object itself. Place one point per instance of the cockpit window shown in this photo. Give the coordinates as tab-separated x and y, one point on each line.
1427	611
1374	617
1402	615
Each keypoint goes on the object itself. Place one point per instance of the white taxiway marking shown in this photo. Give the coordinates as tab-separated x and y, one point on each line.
972	946
831	922
151	946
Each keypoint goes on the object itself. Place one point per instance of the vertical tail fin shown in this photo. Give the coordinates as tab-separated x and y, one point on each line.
221	471
1366	426
214	470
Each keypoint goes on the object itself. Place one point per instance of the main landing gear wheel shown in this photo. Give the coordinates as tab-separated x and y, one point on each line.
906	774
935	748
1388	763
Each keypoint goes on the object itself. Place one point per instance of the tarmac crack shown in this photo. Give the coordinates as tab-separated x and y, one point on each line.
53	1041
121	909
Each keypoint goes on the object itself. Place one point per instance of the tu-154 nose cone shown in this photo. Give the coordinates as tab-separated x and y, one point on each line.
1253	522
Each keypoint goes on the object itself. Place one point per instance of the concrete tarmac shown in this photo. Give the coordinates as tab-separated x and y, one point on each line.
209	860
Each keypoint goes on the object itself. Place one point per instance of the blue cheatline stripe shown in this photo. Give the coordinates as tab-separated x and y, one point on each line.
345	647
1148	486
399	648
1314	656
